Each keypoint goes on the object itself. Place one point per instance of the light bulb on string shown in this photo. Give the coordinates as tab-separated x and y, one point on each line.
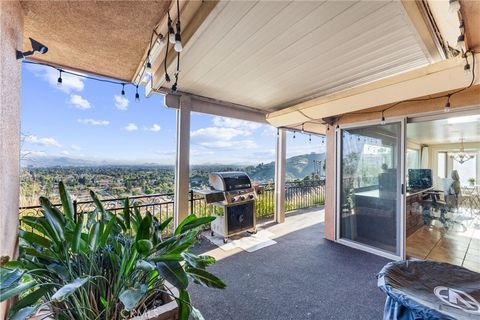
461	42
382	121
59	80
309	138
123	89
171	31
137	95
446	108
294	134
178	39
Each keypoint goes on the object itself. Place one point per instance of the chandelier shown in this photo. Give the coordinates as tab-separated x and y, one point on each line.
461	156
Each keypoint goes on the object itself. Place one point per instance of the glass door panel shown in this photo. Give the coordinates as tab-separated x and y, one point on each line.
370	182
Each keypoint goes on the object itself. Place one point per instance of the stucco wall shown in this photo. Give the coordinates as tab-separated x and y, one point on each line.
11	29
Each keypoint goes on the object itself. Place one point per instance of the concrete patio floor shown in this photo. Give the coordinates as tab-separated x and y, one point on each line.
303	276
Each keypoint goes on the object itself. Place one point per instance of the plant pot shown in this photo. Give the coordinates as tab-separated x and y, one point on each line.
167	311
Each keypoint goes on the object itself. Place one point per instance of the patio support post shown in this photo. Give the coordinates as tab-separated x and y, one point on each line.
11	36
182	164
280	169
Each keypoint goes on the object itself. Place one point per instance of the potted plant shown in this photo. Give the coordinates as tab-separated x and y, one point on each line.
471	181
104	266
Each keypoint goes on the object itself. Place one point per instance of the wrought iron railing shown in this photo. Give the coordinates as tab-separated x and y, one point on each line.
302	194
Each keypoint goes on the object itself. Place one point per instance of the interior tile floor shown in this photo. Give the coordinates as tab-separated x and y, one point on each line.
459	245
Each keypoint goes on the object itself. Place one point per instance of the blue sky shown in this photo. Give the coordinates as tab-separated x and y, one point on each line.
90	120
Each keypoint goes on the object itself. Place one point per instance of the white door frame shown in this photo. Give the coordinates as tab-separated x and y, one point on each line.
401	225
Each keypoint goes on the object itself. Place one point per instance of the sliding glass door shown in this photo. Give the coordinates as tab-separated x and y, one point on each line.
369	191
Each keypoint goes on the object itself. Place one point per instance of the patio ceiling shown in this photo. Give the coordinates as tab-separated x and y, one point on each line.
107	38
270	55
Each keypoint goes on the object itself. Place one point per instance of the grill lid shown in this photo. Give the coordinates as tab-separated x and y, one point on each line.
229	181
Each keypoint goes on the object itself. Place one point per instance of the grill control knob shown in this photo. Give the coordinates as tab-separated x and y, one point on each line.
242	198
233	199
251	196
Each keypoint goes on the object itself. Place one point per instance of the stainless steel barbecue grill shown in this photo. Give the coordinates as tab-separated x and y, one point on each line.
233	194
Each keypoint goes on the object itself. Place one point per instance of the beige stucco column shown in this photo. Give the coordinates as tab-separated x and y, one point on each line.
280	170
330	185
11	33
182	163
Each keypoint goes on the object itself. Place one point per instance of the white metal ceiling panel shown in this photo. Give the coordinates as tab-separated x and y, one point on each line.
270	55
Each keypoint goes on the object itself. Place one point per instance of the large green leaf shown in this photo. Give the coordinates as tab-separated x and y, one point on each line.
28	300
15	290
144	229
188	219
174	273
195	223
68	289
98	204
93	236
67	204
106	233
165	223
167	257
195	261
145	265
34	238
144	246
205	278
53	218
42	226
131	297
9	277
183	302
77	234
24	313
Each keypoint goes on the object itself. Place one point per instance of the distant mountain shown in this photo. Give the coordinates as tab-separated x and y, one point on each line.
298	167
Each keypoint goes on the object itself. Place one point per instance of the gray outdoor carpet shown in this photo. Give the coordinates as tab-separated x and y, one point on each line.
302	277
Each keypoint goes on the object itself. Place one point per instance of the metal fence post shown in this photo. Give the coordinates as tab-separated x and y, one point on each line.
191	201
75	218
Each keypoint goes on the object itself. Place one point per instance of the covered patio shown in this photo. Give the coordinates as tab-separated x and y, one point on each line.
311	67
309	278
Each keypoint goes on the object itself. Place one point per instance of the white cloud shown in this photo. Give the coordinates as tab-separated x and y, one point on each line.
234	123
269	131
51	142
131	127
217	133
93	122
69	84
65	153
230	145
154	128
121	102
79	102
75	147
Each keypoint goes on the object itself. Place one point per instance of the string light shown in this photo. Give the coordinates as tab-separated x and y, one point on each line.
79	75
171	32
303	127
310	138
446	108
382	122
461	42
59	80
137	95
323	139
294	134
178	38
